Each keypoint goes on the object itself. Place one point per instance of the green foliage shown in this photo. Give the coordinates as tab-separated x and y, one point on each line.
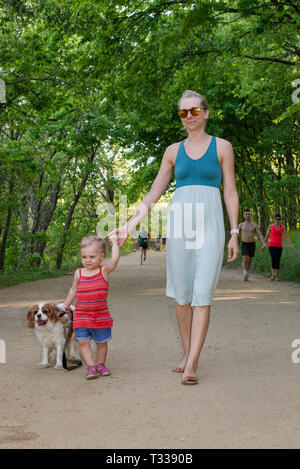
91	104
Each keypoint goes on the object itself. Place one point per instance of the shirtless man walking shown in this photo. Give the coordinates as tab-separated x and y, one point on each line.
249	229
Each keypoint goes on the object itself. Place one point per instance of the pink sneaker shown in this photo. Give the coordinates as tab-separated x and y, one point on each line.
92	372
102	370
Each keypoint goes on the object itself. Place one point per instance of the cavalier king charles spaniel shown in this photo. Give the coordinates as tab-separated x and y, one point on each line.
53	330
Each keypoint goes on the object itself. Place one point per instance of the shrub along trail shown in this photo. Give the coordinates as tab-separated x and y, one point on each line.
248	392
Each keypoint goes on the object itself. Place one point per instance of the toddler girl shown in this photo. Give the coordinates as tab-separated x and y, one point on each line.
92	319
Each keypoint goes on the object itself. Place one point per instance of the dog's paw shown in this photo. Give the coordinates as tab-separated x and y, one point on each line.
59	367
43	365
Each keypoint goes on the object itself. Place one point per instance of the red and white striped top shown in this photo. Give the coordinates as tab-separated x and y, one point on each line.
91	309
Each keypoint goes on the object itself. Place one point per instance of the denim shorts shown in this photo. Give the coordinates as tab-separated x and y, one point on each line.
99	335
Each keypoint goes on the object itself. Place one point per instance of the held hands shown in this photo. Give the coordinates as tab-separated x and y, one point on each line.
118	236
233	248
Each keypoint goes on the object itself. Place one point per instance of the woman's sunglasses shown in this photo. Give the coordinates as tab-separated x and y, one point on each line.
195	111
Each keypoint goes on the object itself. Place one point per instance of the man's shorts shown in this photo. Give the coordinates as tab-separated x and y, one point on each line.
248	249
143	245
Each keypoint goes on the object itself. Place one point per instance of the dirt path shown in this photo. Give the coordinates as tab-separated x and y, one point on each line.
247	397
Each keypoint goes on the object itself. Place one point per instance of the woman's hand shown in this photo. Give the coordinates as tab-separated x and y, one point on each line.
233	248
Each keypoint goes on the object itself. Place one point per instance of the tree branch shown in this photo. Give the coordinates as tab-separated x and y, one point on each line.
270	59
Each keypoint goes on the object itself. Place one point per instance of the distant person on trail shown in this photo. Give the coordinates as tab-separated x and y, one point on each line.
249	229
143	243
275	233
92	318
196	234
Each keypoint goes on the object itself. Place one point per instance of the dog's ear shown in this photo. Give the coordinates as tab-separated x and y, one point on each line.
31	317
52	311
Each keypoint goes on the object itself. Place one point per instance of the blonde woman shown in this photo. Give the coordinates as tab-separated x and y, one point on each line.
200	163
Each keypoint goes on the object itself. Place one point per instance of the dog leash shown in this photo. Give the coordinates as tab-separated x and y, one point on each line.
67	341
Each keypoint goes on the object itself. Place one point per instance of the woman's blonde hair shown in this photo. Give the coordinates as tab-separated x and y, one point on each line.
88	240
193	94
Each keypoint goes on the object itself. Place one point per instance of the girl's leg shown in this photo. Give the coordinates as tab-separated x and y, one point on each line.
86	352
184	315
101	357
200	322
101	352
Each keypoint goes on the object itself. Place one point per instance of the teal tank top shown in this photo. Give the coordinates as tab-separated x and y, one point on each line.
205	171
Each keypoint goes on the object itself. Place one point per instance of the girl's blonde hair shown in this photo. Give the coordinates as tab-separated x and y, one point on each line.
88	240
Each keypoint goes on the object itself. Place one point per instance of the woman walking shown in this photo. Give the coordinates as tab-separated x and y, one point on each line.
275	233
195	240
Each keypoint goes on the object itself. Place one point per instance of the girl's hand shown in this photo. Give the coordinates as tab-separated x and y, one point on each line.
66	308
114	240
233	248
119	235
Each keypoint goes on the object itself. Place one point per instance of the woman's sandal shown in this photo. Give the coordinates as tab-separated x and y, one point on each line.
190	380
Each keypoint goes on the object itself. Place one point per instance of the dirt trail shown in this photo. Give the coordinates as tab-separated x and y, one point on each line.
248	392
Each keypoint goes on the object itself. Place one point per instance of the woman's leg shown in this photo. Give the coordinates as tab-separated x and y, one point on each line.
274	270
184	315
278	253
200	323
275	256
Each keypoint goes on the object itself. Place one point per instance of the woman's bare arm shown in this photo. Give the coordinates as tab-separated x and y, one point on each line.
231	198
158	187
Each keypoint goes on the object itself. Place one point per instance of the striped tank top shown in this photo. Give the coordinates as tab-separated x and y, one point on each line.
91	309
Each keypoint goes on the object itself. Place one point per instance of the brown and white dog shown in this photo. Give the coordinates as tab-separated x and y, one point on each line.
53	330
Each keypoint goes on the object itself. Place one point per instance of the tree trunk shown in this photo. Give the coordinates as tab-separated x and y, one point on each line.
61	248
6	230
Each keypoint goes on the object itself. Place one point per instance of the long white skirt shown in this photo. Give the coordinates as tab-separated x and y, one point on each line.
195	244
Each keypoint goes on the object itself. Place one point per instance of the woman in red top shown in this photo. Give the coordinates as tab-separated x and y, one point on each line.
275	232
